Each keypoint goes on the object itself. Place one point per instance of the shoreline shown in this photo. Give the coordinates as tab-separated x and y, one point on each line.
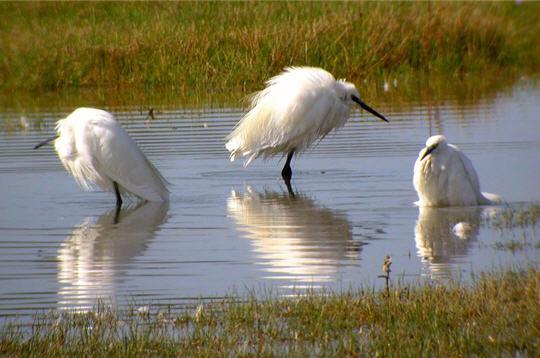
497	314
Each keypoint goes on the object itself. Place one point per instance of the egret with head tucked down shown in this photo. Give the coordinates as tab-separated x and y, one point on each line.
298	107
97	151
445	176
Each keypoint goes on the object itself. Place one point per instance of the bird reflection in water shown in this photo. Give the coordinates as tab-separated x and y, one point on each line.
93	258
443	237
294	237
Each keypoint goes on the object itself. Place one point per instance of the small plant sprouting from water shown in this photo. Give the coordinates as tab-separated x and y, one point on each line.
512	245
511	218
525	220
386	273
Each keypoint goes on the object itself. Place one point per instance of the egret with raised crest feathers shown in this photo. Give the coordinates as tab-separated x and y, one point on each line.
97	151
297	107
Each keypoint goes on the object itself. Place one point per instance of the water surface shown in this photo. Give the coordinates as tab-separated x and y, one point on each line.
233	229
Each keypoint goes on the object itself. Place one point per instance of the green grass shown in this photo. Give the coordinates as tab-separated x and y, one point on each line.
511	218
497	315
518	226
201	49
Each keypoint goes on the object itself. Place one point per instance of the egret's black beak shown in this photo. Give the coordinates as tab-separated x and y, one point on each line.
41	144
368	108
428	151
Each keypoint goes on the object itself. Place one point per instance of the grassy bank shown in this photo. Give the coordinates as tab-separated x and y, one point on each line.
498	315
233	47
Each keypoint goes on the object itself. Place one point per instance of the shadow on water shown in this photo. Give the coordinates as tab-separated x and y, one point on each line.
293	236
443	236
92	259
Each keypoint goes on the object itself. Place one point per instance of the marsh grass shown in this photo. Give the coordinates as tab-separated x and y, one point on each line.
511	218
518	226
497	315
215	49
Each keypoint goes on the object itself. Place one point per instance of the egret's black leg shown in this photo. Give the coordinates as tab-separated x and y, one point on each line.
286	173
117	214
290	189
118	197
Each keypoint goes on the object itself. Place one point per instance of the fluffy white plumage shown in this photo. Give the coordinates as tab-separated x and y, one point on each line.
445	176
97	151
298	107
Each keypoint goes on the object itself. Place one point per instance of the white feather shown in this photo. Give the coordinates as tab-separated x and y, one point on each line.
97	151
446	177
298	107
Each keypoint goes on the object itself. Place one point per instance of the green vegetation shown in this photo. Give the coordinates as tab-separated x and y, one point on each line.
497	315
222	49
511	218
507	222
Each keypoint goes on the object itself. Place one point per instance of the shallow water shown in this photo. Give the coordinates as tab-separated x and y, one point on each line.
233	229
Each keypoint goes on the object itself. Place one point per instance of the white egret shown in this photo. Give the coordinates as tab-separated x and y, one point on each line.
298	107
444	176
97	151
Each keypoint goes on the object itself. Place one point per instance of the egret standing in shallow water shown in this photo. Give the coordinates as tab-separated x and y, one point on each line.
96	150
298	107
444	176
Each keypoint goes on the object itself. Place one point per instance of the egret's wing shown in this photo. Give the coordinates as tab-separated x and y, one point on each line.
464	180
482	197
119	157
471	175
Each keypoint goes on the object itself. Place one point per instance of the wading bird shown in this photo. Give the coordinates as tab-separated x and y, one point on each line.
298	107
97	151
444	176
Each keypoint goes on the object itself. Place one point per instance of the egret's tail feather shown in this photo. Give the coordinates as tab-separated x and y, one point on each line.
252	156
85	176
235	147
490	198
250	159
232	146
159	186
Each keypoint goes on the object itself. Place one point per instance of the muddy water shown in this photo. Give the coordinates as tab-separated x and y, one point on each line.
229	229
